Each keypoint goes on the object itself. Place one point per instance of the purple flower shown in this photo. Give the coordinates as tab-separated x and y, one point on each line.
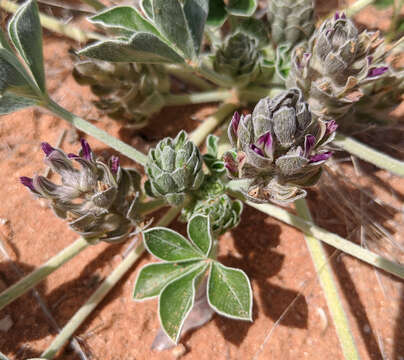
229	163
343	16
46	148
309	142
28	182
320	157
331	127
377	71
114	164
72	156
235	121
86	150
336	16
257	150
265	140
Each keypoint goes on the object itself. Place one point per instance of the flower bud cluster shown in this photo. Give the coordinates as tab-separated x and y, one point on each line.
334	65
279	149
97	199
174	168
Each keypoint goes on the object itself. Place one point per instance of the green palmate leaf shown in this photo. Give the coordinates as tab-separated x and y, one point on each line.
229	292
123	17
199	233
26	34
242	7
142	47
153	278
10	103
168	245
170	18
196	13
176	301
147	8
217	13
13	77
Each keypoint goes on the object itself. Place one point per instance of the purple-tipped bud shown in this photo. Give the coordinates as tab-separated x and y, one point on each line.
28	182
257	150
266	140
235	121
309	142
343	16
377	71
320	157
46	148
72	156
331	127
336	16
86	150
114	164
229	163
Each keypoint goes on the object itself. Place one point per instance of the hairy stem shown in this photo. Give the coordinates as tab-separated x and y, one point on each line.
188	77
82	314
198	98
31	280
212	122
95	132
55	25
369	154
325	276
310	229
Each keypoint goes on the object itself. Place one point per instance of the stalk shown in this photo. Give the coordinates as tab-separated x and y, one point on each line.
95	4
53	24
82	314
212	122
31	280
325	276
332	239
95	132
369	154
187	76
198	98
357	7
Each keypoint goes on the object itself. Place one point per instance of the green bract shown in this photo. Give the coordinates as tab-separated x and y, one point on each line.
333	66
174	168
185	266
279	149
129	92
291	21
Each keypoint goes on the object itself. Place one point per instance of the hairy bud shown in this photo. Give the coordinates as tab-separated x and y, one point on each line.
174	168
279	149
97	199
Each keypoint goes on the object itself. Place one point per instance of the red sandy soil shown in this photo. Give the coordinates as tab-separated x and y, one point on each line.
273	255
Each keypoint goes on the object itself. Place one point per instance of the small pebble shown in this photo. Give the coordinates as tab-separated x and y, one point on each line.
179	351
6	323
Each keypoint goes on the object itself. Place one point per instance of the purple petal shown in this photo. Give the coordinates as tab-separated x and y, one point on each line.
235	121
72	156
229	163
331	127
257	150
336	16
114	164
320	157
309	142
266	140
377	71
86	150
28	182
46	148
